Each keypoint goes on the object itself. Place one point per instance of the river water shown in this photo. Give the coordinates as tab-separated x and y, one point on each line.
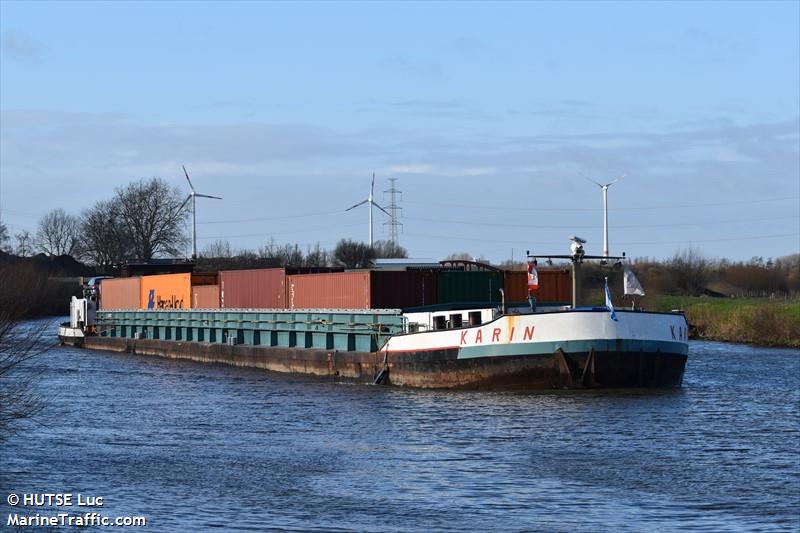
196	447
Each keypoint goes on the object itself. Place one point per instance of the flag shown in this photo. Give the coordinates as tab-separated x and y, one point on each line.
533	277
609	305
632	285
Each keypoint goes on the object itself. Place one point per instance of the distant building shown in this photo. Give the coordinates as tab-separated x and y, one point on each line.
720	289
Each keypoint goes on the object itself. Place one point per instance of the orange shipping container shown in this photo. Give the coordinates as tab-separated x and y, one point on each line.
555	286
205	297
168	291
120	293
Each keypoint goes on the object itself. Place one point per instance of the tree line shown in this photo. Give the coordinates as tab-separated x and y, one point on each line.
144	219
147	219
219	255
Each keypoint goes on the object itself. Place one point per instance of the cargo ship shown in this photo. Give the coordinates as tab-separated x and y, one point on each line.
391	328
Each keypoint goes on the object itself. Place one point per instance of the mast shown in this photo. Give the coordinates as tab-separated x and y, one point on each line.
605	220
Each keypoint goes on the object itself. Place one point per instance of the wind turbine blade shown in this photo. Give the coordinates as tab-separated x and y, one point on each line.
207	196
185	202
358	204
598	184
382	209
187	178
372	188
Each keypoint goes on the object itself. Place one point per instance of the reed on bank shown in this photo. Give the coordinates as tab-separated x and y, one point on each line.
761	321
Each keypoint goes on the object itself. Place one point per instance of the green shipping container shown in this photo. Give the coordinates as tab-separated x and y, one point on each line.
455	286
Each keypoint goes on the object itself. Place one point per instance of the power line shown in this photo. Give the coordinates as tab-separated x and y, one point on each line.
559	243
265	219
561	226
571	208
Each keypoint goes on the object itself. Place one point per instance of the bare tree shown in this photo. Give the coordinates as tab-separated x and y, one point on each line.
351	254
514	264
24	243
462	256
58	233
317	257
3	236
218	249
105	238
283	255
690	270
155	217
389	249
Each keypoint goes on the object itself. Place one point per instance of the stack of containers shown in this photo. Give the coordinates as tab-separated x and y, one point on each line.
205	290
166	291
363	289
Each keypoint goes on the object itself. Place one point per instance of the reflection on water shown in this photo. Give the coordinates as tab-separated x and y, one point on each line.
199	446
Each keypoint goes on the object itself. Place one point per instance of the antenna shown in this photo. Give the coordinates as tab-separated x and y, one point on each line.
605	209
371	203
193	196
395	211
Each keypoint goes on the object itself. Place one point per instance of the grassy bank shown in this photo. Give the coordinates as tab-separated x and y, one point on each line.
752	321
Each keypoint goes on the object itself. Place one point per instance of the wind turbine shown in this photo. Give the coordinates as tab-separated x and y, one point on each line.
371	203
193	196
605	210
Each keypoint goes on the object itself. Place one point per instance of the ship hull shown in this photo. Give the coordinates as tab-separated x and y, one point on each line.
440	369
557	370
70	336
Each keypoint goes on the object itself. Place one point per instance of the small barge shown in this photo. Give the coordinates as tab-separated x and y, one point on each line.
454	347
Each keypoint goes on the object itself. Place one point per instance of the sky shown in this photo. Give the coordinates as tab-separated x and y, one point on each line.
493	117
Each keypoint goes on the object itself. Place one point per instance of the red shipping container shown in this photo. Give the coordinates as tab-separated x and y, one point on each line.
205	297
555	286
253	289
515	285
361	290
401	289
120	293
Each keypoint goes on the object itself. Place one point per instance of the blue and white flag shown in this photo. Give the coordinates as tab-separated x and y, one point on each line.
609	305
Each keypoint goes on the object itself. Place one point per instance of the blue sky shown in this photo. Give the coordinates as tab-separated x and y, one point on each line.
490	116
